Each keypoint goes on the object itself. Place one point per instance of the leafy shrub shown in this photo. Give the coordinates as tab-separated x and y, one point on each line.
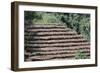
80	55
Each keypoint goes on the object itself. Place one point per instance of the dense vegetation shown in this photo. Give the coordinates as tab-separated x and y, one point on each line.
80	55
78	22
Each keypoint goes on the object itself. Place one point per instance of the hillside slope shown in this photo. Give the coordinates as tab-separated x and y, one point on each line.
54	41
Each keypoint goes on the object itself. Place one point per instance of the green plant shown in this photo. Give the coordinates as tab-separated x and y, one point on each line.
80	55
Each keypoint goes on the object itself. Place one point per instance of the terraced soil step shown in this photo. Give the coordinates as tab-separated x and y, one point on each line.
55	56
55	53
54	37
47	30
53	41
61	44
56	50
59	48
